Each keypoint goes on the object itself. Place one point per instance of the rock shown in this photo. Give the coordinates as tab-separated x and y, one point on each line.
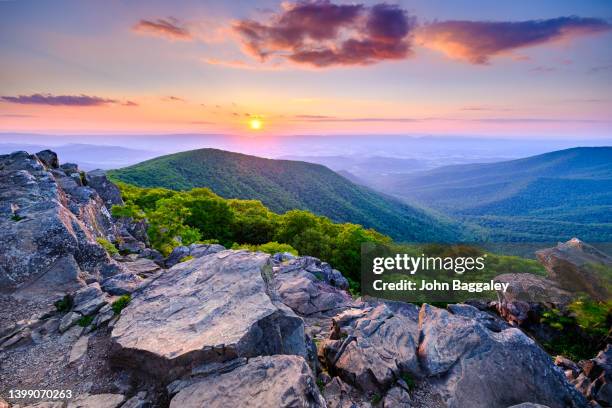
176	256
122	284
142	267
138	401
48	158
397	397
44	404
70	168
89	299
371	347
97	401
104	315
528	405
567	364
488	320
338	394
283	256
49	227
110	193
200	250
210	309
465	361
69	320
78	349
267	381
321	270
307	291
576	266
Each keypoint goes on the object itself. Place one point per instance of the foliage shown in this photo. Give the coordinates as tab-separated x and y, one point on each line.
281	186
269	248
181	218
64	304
186	258
581	332
85	321
409	380
119	304
16	217
108	246
376	398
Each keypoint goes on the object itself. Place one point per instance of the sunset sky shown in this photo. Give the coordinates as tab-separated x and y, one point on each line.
519	68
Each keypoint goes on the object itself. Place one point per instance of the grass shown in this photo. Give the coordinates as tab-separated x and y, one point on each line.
186	258
85	321
121	303
108	246
16	217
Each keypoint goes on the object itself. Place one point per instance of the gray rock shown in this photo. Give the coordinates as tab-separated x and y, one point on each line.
70	168
138	401
397	397
576	267
308	293
371	347
177	255
338	394
142	267
214	308
200	250
466	361
528	405
122	284
49	227
104	316
48	158
268	381
110	193
89	299
69	320
97	401
78	349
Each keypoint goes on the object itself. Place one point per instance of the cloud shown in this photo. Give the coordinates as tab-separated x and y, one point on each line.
321	34
172	98
478	41
58	100
169	28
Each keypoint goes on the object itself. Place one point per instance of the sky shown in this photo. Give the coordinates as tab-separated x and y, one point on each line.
518	69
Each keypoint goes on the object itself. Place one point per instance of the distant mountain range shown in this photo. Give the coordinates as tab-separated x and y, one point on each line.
283	185
552	196
87	156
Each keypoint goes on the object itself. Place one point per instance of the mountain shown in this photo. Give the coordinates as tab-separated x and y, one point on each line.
283	185
87	156
552	196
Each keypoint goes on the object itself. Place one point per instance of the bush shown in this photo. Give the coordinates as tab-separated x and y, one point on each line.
64	304
269	248
85	321
121	303
186	258
108	246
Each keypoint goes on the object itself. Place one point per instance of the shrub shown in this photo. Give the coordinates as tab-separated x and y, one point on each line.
108	246
64	304
121	303
186	258
85	321
269	248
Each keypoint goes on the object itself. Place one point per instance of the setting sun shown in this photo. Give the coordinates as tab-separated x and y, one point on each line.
255	123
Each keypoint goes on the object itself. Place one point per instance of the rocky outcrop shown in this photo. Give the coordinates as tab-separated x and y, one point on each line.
269	381
49	222
309	286
192	251
591	377
209	309
470	365
578	267
372	347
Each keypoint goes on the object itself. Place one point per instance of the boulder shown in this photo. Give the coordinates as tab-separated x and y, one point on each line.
339	394
397	397
48	158
577	267
110	193
69	320
469	365
371	347
78	349
177	255
89	299
122	284
200	250
307	290
265	381
210	309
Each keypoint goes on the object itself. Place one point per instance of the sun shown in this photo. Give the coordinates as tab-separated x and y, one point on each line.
255	123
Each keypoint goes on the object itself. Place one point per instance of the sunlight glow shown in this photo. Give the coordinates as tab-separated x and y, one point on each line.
255	123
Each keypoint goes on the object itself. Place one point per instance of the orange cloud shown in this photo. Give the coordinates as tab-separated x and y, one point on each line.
169	28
